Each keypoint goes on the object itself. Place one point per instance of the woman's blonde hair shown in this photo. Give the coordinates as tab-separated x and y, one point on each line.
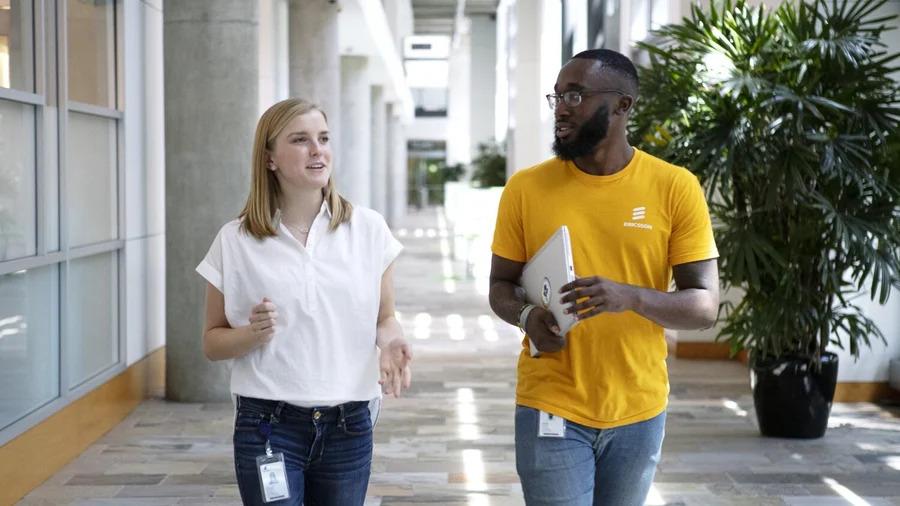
258	216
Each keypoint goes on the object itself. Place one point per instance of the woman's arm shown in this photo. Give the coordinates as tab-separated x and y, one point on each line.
221	342
395	353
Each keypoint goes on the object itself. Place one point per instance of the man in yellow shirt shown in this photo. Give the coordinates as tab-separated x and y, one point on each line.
590	413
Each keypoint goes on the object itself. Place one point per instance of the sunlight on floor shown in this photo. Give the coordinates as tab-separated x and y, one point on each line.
733	406
478	500
845	492
473	466
422	326
654	498
467	414
488	328
892	461
455	327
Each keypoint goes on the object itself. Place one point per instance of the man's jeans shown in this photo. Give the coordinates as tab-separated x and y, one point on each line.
327	451
599	467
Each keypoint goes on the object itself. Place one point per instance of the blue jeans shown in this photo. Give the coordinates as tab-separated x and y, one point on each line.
599	467
327	451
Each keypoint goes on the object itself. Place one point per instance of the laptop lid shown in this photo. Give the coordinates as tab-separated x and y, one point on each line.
546	272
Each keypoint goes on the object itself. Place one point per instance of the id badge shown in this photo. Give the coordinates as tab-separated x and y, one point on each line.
273	477
551	425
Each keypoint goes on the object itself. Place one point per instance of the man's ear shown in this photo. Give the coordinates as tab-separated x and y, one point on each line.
625	105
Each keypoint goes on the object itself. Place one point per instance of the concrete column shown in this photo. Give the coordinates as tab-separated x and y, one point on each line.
458	99
314	56
534	64
273	53
396	167
483	48
354	170
211	79
379	151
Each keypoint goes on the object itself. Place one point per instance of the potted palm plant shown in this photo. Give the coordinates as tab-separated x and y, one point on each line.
789	119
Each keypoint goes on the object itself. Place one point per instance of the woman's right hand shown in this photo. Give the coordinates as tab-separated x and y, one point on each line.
262	321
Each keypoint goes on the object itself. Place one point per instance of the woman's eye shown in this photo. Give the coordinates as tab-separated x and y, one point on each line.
324	140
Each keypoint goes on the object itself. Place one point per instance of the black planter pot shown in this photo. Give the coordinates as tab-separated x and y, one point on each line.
792	398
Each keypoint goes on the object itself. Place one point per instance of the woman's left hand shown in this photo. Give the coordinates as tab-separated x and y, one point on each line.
396	374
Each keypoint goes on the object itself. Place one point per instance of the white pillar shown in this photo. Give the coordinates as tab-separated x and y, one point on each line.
353	173
379	151
535	52
274	60
396	167
483	49
315	69
458	99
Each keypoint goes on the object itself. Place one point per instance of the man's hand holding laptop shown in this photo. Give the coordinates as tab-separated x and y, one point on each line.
541	327
593	295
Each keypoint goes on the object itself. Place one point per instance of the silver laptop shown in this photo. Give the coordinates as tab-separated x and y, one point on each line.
548	270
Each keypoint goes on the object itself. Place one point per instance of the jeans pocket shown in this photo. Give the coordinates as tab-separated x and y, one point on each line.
358	423
248	420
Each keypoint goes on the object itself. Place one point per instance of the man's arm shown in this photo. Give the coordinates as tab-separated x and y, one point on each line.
694	305
507	300
505	295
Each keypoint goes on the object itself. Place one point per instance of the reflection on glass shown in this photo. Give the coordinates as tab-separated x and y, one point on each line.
29	343
92	51
91	333
91	208
16	47
17	186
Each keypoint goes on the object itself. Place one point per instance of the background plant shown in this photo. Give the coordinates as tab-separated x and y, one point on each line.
790	120
489	167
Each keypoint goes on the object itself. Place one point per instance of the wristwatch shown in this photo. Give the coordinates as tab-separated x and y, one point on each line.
523	315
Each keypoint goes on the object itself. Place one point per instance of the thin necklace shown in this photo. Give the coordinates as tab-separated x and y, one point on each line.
294	228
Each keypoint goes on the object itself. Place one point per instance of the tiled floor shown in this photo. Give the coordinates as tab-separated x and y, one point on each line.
450	441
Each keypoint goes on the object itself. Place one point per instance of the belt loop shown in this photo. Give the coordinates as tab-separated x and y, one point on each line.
278	408
237	402
343	414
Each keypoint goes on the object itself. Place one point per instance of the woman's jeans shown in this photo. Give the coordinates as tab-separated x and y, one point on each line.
327	451
587	467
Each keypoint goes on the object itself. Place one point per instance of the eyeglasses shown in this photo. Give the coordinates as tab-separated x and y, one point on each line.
572	98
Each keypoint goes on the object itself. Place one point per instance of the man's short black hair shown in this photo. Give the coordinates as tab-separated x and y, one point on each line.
618	63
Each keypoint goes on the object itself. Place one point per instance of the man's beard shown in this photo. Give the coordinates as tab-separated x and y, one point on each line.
586	139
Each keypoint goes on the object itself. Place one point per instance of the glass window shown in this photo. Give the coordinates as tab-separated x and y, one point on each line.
430	102
91	327
29	344
18	219
91	187
16	44
92	52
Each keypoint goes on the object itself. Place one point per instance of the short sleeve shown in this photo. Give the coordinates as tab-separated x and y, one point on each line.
391	248
509	234
211	265
692	235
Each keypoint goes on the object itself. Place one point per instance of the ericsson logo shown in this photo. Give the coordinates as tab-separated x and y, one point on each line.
638	214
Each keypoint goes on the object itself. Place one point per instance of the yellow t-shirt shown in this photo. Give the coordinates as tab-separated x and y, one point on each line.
630	227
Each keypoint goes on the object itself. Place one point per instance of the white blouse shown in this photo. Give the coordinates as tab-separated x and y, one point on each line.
327	296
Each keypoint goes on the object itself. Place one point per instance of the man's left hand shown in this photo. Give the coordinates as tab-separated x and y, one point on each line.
594	295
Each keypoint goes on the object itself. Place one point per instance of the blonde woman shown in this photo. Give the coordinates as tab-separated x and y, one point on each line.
300	293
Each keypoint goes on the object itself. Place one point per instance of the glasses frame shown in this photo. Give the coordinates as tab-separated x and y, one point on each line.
573	98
